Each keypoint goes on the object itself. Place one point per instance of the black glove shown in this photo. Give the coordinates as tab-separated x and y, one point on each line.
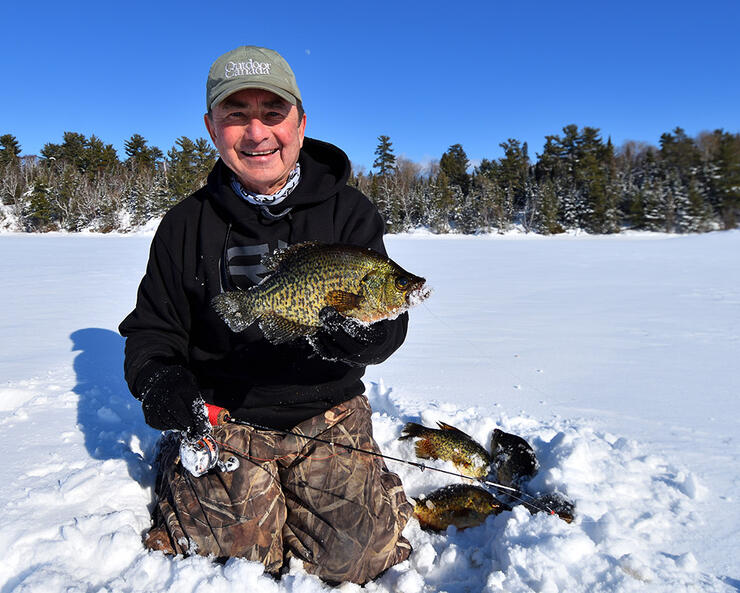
170	399
348	340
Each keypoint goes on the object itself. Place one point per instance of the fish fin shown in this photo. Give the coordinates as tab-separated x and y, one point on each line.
462	464
411	429
272	261
278	329
425	449
342	300
424	523
236	308
444	426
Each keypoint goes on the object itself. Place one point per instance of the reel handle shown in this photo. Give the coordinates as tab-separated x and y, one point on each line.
217	415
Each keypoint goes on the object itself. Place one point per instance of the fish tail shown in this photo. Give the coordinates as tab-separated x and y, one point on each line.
238	309
412	429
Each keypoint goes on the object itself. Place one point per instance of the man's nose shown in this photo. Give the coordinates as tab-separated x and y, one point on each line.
255	130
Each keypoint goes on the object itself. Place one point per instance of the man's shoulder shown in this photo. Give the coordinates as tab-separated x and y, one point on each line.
353	200
186	211
349	192
193	204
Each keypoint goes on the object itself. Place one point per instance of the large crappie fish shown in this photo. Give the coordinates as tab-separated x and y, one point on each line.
449	444
358	282
461	505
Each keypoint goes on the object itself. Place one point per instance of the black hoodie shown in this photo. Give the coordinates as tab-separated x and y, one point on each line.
213	241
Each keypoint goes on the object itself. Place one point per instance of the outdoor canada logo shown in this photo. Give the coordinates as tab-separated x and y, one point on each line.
249	68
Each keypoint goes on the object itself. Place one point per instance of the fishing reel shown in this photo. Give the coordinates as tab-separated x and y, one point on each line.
200	456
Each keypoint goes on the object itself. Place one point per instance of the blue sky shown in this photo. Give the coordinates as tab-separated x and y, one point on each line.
426	74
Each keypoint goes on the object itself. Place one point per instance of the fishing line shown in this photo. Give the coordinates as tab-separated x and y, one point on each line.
221	416
519	381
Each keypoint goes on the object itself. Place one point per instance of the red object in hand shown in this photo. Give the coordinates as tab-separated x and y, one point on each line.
217	415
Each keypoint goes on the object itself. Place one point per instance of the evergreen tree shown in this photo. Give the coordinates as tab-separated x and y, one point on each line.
548	209
726	161
595	170
441	203
10	150
385	161
501	207
513	171
558	164
680	153
467	214
696	214
454	163
99	157
91	156
140	156
39	215
189	165
487	169
71	150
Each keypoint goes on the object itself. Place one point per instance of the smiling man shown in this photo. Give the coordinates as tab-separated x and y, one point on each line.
259	136
268	496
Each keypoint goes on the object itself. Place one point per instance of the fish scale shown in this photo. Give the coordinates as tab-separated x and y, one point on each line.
303	279
461	505
450	444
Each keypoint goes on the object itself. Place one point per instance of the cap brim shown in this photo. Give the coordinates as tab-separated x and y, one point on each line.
236	87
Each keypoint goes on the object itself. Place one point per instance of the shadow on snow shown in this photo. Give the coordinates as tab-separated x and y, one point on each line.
107	414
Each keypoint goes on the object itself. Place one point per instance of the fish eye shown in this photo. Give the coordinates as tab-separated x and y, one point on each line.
402	282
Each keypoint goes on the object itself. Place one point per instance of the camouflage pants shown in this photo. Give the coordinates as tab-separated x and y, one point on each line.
339	511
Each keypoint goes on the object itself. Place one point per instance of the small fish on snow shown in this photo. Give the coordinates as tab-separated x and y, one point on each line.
449	444
514	460
461	505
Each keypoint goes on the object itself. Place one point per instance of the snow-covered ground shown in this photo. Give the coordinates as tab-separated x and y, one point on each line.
616	357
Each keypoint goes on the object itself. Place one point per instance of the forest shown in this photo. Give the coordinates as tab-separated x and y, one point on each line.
580	182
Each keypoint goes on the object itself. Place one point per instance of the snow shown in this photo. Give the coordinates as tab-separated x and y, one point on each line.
615	357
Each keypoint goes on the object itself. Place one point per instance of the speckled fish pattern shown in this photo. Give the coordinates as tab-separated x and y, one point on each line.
449	444
461	505
305	278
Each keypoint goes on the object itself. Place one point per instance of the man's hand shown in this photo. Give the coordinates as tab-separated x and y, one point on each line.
347	340
171	400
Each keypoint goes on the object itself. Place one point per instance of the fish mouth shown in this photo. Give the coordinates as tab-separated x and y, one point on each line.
418	293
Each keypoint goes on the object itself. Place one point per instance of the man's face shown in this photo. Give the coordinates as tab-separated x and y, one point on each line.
258	136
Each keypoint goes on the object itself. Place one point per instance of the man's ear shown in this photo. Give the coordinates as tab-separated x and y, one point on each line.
209	126
302	129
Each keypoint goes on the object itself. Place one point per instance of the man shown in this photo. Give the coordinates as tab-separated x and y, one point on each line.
340	512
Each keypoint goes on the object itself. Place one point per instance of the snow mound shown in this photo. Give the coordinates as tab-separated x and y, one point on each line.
78	504
629	506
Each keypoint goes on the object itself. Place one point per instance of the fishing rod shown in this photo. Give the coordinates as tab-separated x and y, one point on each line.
219	416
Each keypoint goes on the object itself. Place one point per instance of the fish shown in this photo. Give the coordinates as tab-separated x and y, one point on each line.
449	444
303	279
513	463
461	505
513	459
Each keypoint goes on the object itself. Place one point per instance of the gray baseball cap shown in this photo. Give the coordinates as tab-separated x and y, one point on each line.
250	67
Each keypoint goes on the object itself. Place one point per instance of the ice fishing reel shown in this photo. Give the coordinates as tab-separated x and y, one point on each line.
200	456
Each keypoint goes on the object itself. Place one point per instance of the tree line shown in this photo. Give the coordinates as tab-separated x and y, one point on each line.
81	183
579	182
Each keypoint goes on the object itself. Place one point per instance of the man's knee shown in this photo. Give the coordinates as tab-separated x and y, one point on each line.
361	562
